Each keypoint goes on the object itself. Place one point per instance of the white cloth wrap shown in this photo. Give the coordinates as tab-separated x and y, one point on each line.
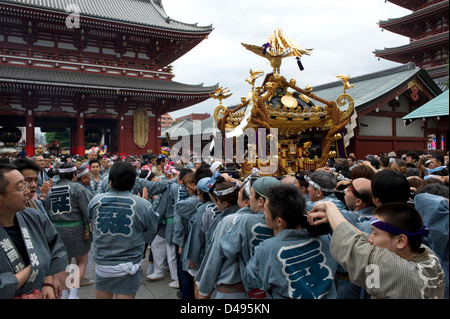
119	270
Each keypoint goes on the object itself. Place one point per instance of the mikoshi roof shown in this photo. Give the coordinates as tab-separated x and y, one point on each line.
434	108
147	13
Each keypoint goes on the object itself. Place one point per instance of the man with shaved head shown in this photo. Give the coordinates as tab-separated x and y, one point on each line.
358	197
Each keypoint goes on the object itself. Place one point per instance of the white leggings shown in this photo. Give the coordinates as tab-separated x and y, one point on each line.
160	251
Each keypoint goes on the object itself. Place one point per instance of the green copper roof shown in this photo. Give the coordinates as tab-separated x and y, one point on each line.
436	107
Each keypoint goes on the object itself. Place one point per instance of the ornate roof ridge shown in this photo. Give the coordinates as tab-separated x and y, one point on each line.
145	13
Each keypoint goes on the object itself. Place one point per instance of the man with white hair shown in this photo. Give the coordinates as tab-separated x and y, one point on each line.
321	187
91	155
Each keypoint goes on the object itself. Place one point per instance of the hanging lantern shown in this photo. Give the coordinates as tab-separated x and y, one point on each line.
10	136
92	137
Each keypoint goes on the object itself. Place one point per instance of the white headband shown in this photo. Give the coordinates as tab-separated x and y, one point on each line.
83	172
228	190
317	186
67	170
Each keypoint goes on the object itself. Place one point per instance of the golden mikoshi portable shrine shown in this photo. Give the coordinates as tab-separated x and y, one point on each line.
280	104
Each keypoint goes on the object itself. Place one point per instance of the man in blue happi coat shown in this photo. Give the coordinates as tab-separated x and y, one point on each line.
249	230
293	263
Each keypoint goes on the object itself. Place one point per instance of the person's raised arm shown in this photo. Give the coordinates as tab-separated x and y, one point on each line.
325	211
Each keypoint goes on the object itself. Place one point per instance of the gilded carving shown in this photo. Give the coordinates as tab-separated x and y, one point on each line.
415	82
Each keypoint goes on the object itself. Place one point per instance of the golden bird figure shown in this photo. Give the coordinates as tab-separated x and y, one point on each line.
277	48
345	80
220	94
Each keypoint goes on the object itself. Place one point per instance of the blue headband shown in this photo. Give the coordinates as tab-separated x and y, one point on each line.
396	231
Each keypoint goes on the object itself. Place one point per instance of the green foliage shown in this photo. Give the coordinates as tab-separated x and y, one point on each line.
63	137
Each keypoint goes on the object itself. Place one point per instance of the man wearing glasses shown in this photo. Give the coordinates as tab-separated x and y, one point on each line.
31	252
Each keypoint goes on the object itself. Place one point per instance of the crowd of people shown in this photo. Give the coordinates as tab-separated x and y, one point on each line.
375	227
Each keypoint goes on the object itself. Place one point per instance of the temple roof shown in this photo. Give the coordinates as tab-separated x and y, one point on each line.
434	108
409	4
186	128
83	80
147	13
407	25
369	87
439	39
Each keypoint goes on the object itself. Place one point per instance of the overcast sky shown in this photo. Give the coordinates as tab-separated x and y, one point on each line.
342	33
